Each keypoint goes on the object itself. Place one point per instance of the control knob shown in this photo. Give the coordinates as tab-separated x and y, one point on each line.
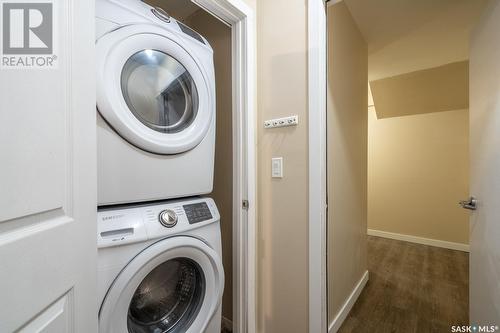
168	218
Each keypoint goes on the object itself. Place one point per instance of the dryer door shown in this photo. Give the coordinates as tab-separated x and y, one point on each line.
175	285
152	90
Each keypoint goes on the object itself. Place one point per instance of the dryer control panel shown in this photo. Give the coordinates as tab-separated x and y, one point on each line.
137	223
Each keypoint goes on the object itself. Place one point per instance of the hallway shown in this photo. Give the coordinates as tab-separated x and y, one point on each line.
412	288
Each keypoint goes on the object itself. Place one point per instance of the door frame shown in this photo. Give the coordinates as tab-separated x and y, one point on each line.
241	19
317	87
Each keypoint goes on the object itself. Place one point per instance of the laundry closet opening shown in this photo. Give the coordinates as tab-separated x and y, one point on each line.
218	35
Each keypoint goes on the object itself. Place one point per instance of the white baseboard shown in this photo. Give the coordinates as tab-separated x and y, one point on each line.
420	240
349	303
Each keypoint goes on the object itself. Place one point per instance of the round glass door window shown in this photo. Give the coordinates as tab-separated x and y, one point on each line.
159	91
168	299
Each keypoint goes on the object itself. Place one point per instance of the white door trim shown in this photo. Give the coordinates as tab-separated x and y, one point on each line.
318	315
240	17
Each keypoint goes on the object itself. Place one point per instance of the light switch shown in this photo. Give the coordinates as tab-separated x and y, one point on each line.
277	167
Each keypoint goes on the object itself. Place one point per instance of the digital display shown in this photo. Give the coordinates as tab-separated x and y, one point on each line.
197	212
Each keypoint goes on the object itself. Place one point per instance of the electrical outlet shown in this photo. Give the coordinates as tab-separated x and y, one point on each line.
282	122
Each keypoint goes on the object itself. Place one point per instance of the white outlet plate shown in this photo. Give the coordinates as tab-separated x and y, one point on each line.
282	122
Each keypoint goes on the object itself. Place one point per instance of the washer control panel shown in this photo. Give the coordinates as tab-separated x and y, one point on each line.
141	222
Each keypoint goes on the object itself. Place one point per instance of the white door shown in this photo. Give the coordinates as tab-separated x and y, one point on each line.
485	168
47	167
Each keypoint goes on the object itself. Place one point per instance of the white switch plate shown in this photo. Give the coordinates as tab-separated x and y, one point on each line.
277	167
282	122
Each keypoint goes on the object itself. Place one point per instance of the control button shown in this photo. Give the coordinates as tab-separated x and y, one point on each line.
168	218
161	14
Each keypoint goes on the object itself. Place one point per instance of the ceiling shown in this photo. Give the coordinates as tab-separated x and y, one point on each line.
409	35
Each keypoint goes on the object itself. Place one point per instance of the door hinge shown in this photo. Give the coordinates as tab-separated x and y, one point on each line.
245	204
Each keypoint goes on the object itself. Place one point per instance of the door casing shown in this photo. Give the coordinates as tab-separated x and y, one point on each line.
241	19
317	80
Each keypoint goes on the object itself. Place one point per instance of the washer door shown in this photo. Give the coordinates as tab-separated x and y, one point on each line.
151	90
175	285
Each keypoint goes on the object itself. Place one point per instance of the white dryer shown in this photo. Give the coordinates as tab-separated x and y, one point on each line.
156	105
160	269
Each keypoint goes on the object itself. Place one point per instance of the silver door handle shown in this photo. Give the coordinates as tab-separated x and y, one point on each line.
470	204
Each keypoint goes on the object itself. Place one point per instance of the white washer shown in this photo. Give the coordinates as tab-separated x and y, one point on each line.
159	268
156	105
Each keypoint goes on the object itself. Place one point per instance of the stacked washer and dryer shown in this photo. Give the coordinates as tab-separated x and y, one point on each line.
159	243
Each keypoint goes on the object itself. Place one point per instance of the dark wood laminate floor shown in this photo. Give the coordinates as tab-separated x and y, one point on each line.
412	288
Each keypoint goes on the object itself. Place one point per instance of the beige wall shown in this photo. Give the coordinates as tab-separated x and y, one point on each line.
346	156
282	203
417	173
